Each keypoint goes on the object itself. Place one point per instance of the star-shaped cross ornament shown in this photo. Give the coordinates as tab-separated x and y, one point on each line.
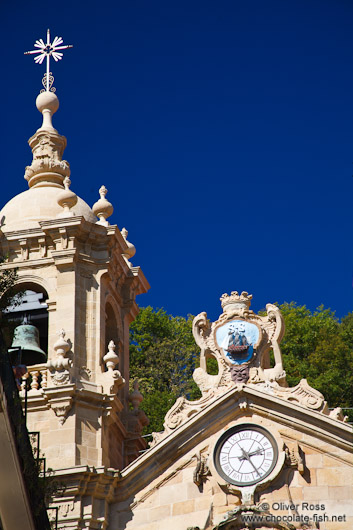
47	50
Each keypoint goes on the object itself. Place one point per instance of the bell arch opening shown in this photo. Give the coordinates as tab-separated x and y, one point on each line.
26	325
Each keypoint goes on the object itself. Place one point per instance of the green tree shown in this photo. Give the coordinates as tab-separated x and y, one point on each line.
8	294
163	355
318	347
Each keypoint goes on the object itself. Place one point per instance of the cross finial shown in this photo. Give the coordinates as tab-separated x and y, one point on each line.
46	50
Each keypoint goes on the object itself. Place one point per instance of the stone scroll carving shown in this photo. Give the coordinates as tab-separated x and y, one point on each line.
241	342
302	393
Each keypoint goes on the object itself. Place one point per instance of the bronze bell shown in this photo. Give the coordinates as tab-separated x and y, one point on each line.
26	341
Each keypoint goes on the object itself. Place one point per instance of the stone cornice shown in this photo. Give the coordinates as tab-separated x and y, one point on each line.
19	234
61	399
29	264
99	482
68	241
144	285
238	402
76	220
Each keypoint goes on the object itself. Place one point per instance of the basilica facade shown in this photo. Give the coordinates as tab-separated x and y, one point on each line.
250	453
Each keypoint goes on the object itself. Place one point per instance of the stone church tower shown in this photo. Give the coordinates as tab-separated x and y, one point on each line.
75	270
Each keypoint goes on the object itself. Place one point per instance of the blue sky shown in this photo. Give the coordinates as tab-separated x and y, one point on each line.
222	130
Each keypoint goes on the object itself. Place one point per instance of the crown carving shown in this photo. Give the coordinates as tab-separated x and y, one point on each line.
236	300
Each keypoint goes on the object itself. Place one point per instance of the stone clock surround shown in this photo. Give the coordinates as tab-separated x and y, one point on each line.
252	476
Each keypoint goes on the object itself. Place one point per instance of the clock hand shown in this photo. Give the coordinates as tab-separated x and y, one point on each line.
247	457
257	452
245	454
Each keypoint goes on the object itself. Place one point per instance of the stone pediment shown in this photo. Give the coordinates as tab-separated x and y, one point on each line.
246	387
209	419
187	452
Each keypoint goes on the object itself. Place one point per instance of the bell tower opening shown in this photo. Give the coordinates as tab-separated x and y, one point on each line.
26	326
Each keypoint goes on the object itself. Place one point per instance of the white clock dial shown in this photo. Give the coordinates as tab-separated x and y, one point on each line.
245	454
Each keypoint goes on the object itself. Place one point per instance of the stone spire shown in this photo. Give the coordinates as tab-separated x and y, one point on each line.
47	168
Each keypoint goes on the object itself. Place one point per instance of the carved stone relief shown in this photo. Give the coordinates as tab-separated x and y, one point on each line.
241	342
201	470
295	458
47	148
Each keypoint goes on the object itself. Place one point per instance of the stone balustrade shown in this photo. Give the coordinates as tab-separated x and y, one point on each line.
37	375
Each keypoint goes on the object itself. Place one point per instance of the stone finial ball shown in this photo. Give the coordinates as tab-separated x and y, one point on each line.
47	100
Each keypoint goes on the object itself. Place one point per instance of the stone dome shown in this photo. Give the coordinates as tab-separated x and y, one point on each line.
47	177
38	204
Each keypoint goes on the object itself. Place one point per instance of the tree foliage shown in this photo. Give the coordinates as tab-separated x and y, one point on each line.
319	347
163	354
316	346
8	295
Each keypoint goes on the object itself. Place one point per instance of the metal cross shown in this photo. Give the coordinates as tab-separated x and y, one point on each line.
45	50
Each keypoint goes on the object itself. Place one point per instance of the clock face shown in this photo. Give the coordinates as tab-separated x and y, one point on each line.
245	454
